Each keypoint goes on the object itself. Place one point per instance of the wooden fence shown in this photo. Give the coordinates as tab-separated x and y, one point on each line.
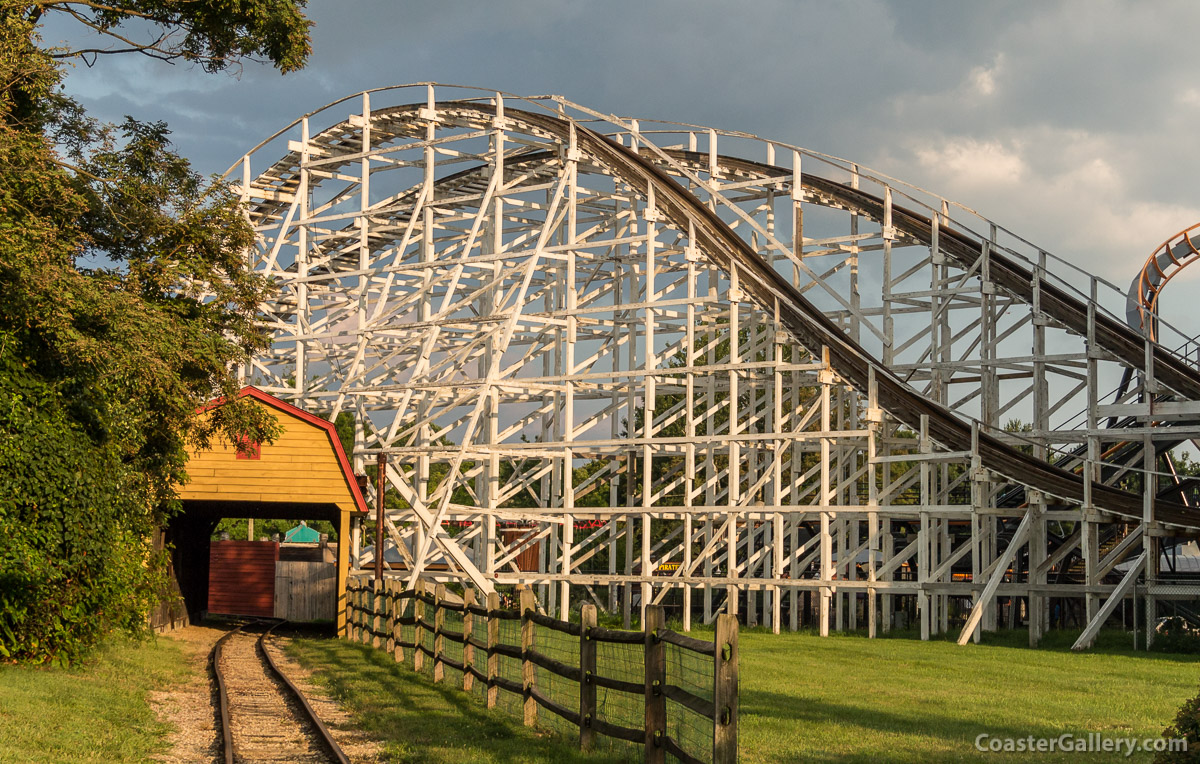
378	613
305	591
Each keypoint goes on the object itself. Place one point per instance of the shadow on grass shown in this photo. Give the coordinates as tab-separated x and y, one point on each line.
424	722
950	738
1108	641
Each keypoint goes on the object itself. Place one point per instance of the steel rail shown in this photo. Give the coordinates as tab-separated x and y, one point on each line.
1166	262
214	664
229	750
326	737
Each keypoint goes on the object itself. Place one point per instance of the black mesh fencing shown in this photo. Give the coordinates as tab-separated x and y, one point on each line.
612	690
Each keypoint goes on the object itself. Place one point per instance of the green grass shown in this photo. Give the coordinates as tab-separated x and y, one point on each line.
804	698
97	712
418	721
850	699
839	699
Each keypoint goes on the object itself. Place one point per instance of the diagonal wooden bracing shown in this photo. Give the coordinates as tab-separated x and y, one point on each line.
636	361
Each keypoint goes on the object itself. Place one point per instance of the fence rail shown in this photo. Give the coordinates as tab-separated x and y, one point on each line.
682	692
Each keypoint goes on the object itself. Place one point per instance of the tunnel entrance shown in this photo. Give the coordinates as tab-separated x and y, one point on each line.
237	576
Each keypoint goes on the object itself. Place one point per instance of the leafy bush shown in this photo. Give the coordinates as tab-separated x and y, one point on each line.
1175	635
1187	725
76	559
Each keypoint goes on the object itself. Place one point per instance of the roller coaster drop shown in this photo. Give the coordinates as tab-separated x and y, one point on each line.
667	361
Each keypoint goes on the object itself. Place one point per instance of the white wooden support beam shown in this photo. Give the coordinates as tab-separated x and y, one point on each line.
1088	637
989	590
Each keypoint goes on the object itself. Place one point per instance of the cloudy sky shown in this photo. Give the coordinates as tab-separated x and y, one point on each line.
1071	123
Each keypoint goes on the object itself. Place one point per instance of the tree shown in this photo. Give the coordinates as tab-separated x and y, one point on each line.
126	304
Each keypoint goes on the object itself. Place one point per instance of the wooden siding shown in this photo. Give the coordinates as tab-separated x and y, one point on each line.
300	466
304	466
528	558
305	591
241	577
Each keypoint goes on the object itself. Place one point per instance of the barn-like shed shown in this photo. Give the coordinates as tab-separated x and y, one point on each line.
304	474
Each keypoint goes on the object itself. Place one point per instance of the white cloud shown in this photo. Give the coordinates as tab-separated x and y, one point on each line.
1188	97
982	79
1069	191
966	163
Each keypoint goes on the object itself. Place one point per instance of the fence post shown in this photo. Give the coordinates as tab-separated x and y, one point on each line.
419	615
389	609
364	624
368	612
656	678
397	628
493	639
587	670
725	691
528	675
349	609
439	620
361	595
359	612
376	617
468	648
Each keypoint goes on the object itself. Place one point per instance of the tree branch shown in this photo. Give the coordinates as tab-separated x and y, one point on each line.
156	49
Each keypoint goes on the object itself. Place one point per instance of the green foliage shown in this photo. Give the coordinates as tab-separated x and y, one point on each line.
1175	635
237	528
1020	429
75	560
213	33
1184	464
125	305
1186	725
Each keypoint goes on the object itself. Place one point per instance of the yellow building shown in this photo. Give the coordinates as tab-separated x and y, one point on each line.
304	474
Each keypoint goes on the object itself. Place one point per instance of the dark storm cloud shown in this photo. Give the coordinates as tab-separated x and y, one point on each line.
1071	123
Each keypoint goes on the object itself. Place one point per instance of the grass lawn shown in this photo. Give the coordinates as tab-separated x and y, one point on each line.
848	699
803	698
97	712
418	721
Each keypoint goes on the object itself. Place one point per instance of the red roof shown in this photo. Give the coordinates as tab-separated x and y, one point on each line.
330	431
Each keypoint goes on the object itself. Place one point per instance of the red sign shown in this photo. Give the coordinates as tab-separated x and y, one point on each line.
248	449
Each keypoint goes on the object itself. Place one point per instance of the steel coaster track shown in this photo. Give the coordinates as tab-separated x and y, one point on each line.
1171	257
309	716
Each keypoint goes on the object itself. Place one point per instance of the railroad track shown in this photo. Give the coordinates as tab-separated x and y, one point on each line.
264	716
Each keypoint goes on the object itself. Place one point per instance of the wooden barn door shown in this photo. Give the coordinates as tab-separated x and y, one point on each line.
241	577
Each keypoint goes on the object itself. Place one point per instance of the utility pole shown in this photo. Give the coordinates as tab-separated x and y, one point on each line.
380	492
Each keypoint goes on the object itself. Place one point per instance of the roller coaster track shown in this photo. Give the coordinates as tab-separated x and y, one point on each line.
854	362
1171	257
813	329
370	253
